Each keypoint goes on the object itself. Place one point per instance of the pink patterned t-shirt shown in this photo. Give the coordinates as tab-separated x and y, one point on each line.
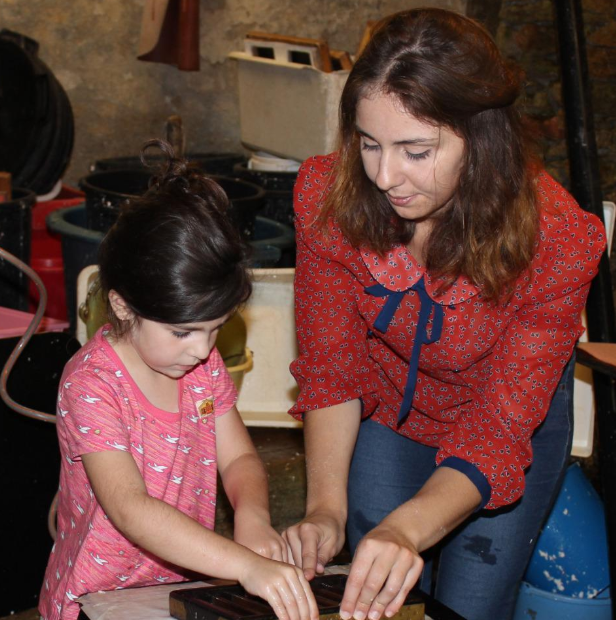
101	408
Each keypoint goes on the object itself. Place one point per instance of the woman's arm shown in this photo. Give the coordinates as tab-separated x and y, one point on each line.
387	563
245	481
172	536
329	437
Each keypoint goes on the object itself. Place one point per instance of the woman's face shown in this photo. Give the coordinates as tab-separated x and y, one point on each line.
415	164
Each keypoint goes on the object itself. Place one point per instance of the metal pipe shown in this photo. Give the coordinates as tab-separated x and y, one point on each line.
586	189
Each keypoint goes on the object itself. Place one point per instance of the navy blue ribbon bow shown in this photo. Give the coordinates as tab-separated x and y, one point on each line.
427	307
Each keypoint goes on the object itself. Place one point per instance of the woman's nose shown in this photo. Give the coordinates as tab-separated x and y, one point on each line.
389	174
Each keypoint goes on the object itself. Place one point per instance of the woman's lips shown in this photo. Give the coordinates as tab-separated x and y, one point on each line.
400	201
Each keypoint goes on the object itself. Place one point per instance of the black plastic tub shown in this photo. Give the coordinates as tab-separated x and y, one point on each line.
218	163
107	191
278	186
16	238
80	247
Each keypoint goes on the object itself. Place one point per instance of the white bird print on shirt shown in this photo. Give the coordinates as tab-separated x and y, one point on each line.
67	385
97	558
196	389
89	399
63	413
215	372
193	418
118	373
78	505
161	578
70	460
122	578
87	356
170	439
138	447
158	468
207	462
198	491
176	479
185	449
116	445
71	596
83	429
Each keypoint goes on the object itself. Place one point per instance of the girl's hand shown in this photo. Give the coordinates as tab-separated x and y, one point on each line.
283	586
385	567
259	536
314	541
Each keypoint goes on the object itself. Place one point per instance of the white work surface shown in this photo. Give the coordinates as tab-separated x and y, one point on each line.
150	603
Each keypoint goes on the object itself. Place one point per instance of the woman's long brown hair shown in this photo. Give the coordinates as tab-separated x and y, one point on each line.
445	69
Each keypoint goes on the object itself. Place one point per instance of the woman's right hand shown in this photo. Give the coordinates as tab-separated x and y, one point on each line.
314	541
283	586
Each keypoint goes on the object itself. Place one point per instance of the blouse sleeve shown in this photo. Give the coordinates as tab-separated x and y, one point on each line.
514	395
333	364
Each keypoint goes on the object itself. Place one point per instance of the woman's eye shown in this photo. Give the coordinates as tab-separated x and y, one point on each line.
417	156
369	147
181	334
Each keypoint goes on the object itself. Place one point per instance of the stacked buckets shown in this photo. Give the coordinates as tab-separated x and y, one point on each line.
568	575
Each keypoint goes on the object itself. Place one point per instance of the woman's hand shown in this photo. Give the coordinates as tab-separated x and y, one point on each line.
258	535
385	567
283	586
314	541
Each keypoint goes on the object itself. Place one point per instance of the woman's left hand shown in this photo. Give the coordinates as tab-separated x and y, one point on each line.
385	567
259	536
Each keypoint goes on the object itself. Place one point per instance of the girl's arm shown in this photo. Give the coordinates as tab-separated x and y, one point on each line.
329	436
245	481
169	534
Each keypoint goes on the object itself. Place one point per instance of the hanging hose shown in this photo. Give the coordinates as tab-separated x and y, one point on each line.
36	320
17	351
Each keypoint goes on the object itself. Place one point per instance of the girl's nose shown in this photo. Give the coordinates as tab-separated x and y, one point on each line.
389	173
201	348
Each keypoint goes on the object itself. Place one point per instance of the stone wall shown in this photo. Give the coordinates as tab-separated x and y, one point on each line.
527	33
119	102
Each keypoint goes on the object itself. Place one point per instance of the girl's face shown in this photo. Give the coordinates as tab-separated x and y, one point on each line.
173	350
169	350
415	164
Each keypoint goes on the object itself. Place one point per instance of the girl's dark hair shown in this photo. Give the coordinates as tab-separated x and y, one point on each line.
446	70
174	254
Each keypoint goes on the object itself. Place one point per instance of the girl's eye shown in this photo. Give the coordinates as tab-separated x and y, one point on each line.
417	156
369	147
181	334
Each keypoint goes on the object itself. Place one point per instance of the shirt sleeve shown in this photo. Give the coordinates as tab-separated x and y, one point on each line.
519	379
333	364
90	415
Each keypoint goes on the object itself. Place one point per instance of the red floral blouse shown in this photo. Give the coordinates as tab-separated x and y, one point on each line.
485	382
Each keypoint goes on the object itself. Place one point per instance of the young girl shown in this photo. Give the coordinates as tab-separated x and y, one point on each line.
146	416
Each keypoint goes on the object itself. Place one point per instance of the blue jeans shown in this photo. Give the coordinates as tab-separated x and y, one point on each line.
481	564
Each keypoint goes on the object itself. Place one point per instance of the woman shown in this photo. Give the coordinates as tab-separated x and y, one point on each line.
441	275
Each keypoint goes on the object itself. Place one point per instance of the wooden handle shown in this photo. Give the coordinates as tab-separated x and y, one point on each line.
5	186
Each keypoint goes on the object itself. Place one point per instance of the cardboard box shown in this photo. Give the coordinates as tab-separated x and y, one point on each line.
288	109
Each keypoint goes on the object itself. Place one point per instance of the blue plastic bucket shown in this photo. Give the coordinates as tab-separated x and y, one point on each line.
570	557
535	604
